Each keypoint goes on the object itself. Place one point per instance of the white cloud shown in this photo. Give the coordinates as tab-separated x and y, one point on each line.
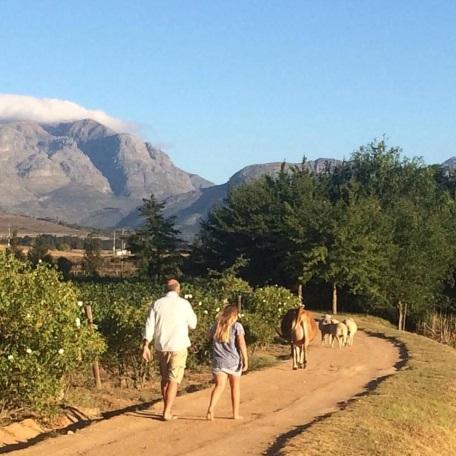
22	107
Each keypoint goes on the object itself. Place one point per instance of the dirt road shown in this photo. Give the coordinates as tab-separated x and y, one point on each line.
273	402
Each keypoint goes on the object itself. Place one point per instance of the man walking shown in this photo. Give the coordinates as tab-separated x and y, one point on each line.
168	323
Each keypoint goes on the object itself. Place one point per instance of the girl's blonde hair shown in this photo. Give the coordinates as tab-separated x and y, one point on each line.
225	321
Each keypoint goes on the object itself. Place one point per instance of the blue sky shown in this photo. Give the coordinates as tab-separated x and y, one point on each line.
224	84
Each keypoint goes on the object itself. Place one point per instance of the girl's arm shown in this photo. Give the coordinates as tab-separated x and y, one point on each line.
211	332
240	340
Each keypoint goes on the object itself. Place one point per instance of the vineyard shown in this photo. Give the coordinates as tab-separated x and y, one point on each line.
47	341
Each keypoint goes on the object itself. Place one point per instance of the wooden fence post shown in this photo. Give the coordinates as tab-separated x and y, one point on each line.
300	294
95	366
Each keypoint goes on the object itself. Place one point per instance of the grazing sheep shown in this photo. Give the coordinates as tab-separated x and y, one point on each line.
339	332
352	327
325	328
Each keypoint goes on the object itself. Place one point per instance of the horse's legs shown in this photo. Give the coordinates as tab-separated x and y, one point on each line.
304	353
295	355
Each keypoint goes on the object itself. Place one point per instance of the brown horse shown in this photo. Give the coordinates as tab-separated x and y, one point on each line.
300	328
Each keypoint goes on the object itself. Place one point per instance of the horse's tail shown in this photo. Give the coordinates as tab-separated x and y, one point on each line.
297	318
305	327
286	324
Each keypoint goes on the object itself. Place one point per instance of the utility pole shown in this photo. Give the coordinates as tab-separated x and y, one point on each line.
122	245
114	244
9	236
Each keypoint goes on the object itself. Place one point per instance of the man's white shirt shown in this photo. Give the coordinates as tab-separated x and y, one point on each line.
168	323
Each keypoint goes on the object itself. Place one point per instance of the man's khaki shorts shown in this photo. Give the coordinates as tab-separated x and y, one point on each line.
172	365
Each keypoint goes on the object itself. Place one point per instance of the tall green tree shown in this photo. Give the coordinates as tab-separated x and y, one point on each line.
156	242
418	213
349	252
92	260
253	223
39	251
14	248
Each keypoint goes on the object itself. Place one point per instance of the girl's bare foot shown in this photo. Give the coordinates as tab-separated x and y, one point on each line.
238	417
210	415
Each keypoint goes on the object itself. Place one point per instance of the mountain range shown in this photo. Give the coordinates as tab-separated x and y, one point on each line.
84	173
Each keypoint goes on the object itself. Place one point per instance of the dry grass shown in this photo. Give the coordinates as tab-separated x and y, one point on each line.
410	413
31	226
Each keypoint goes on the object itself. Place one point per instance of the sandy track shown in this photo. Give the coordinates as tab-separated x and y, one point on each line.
273	402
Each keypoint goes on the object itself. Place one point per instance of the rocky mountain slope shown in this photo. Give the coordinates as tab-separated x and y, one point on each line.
83	172
31	226
450	163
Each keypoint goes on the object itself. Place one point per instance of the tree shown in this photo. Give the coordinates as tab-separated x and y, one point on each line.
14	248
64	265
92	261
252	224
416	207
39	251
347	251
156	242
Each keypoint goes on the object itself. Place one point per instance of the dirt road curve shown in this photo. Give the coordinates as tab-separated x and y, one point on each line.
274	401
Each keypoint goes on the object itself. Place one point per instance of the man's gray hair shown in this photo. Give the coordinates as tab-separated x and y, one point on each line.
172	285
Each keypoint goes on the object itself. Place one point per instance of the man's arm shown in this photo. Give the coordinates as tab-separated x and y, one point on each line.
148	334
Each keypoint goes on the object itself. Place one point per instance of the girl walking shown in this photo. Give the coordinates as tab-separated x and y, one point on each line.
229	358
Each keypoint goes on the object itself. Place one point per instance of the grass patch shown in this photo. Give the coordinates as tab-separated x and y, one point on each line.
410	413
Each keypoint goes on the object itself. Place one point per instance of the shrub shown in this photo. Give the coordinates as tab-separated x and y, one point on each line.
264	311
43	337
208	297
206	303
120	311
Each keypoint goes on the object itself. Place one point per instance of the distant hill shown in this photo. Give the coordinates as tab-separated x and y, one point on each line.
189	208
82	172
450	163
30	226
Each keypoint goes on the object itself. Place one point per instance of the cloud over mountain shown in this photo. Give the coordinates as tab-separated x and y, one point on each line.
48	110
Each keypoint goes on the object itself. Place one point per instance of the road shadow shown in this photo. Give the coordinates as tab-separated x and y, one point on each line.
282	440
158	417
82	421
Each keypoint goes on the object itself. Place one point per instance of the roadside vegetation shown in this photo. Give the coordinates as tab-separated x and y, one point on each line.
412	412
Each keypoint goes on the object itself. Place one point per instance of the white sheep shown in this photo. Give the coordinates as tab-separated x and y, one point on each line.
352	328
339	331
